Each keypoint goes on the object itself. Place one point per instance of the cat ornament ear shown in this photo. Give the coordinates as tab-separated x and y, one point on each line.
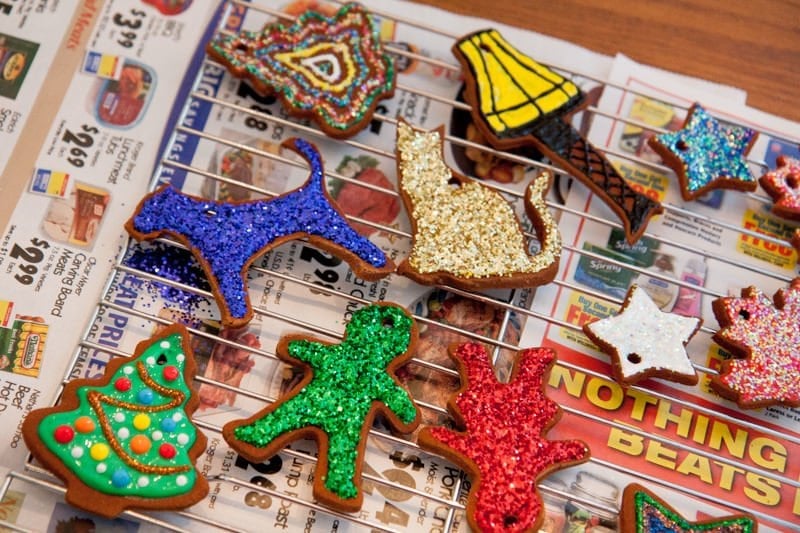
465	234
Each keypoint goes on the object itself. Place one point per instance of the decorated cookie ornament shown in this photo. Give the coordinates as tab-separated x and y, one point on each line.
645	342
333	70
503	444
464	233
766	337
226	237
126	440
644	512
706	155
344	387
783	186
516	101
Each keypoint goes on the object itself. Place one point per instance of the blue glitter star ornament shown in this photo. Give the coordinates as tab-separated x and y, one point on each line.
644	512
707	155
226	237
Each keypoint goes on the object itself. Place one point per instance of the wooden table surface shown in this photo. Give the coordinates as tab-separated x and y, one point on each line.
750	44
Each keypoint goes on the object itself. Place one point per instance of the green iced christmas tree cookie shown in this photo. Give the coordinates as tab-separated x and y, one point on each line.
126	440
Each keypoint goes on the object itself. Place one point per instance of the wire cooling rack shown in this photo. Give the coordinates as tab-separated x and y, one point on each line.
454	506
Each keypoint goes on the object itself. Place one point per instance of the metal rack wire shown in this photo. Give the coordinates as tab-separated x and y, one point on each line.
36	475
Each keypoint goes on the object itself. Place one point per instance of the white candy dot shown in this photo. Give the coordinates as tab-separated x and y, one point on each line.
164	344
180	357
181	480
119	417
143	481
128	370
150	360
177	417
183	438
157	435
77	452
101	468
123	433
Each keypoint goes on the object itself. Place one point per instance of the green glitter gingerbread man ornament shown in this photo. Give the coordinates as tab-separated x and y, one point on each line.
344	386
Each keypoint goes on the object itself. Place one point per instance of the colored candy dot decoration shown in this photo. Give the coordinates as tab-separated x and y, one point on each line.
343	387
226	238
644	512
503	445
333	70
114	466
783	185
765	336
171	373
122	384
707	155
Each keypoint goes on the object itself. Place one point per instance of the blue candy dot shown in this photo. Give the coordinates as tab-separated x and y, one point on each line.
120	478
168	424
145	396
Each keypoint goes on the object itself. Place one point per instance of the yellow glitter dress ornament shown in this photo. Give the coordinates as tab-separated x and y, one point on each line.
465	234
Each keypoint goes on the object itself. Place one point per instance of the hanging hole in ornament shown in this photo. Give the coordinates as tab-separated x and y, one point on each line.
744	313
634	358
162	360
682	145
793	181
485	47
387	322
454	183
241	47
510	521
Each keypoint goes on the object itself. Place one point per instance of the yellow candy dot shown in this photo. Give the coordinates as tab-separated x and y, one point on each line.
84	424
140	444
141	421
99	451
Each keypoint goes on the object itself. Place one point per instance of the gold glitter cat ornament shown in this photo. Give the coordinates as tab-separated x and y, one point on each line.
465	234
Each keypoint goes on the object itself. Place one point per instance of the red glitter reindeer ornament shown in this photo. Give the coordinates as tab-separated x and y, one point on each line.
766	338
504	446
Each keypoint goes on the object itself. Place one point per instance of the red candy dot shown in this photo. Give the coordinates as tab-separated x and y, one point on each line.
63	434
122	384
166	450
171	373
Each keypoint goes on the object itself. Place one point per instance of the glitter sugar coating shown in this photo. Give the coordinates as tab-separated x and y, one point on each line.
504	438
707	155
333	69
643	512
227	237
783	185
337	400
765	333
468	231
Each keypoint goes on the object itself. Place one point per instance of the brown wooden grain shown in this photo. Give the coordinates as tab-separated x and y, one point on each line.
750	44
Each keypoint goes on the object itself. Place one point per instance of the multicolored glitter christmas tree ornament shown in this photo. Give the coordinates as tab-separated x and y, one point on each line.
345	385
783	185
503	445
516	102
645	342
706	155
644	512
226	237
464	233
333	70
767	337
126	440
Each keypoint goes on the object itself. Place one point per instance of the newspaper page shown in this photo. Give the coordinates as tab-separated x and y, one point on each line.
288	285
698	257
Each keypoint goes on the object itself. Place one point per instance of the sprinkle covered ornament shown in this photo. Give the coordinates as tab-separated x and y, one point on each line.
126	440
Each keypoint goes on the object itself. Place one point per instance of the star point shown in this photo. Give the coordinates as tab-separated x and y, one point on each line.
645	342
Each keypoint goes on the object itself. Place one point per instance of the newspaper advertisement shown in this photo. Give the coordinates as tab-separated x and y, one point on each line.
295	288
686	436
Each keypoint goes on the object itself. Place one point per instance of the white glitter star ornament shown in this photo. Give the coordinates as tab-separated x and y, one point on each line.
645	342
